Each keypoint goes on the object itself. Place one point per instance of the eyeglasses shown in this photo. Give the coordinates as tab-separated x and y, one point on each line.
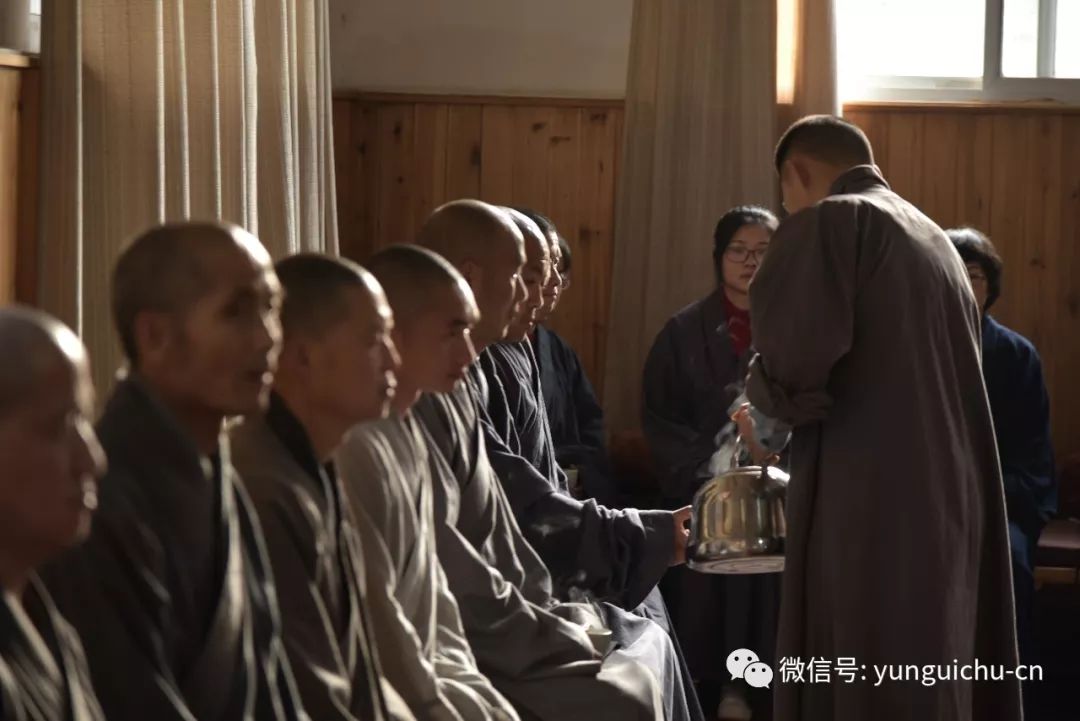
739	254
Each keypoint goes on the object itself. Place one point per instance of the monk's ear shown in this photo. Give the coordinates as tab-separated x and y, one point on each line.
153	333
800	168
472	273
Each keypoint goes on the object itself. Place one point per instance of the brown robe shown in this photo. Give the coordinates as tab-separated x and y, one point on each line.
897	551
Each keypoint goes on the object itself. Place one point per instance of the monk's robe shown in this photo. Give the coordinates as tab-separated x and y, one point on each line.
1020	408
172	593
532	647
574	416
693	376
517	428
312	544
385	470
43	672
897	548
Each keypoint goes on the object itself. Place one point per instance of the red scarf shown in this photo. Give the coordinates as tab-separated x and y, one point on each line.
738	326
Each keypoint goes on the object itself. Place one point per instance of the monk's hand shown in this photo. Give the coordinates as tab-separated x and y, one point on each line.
682	535
758	453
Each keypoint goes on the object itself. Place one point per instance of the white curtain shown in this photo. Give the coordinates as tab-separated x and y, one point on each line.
161	110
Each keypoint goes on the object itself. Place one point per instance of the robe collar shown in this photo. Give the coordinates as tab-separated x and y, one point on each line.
293	436
136	421
858	180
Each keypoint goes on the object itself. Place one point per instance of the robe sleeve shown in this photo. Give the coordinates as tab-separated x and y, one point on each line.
107	589
614	554
802	309
321	676
590	416
679	450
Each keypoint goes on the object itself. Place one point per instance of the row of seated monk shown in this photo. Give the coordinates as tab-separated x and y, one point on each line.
324	491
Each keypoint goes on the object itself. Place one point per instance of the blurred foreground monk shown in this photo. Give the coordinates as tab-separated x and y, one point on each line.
534	648
897	549
384	466
335	370
172	592
49	461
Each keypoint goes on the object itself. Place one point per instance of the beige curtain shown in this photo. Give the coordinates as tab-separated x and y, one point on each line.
160	110
701	123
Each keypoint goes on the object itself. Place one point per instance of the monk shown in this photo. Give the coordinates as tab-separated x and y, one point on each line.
867	334
335	370
535	648
50	460
172	592
384	467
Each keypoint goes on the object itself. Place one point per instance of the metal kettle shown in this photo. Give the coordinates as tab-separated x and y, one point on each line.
737	522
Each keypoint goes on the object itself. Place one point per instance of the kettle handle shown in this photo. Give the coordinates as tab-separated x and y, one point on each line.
740	445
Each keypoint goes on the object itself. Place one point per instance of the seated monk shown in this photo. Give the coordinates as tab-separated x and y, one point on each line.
50	459
335	370
384	467
596	551
514	621
172	592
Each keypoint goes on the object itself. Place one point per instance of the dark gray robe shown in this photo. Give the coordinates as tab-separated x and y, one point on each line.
43	672
532	647
691	379
311	541
172	593
897	550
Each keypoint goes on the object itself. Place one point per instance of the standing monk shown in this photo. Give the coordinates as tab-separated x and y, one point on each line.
868	340
172	593
335	370
49	461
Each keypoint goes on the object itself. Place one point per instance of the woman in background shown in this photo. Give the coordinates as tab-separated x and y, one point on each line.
693	376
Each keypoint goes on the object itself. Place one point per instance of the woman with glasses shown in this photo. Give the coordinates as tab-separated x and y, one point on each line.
693	376
1021	410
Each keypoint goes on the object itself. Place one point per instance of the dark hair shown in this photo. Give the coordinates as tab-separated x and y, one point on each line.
826	138
975	247
408	273
564	248
544	222
314	284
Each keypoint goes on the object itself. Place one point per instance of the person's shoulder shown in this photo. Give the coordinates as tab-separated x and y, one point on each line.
1001	338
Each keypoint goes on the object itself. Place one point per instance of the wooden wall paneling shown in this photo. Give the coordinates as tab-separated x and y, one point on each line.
464	150
974	172
429	160
904	155
10	81
1008	215
497	156
1065	387
562	203
601	150
939	160
532	131
396	174
357	181
1042	233
28	227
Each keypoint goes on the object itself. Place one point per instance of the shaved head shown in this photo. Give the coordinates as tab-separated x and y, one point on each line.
826	138
411	275
536	276
48	450
168	267
487	247
315	288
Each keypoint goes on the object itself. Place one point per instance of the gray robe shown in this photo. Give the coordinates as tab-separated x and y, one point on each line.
172	593
384	469
897	549
312	544
43	672
532	647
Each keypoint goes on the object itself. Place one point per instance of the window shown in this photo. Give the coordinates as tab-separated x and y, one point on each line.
958	49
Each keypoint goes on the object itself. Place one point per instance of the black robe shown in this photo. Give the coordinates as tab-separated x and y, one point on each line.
1021	410
574	416
606	544
172	593
43	673
692	376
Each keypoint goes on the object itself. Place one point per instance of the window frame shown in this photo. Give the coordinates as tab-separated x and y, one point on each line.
993	86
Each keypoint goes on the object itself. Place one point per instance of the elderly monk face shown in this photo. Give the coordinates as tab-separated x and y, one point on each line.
352	366
535	277
554	286
436	346
219	354
499	289
50	458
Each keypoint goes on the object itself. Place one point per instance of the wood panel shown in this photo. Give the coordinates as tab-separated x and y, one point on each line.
19	119
399	157
1013	173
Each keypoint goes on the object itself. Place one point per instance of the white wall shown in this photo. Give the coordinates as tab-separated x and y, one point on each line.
574	48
